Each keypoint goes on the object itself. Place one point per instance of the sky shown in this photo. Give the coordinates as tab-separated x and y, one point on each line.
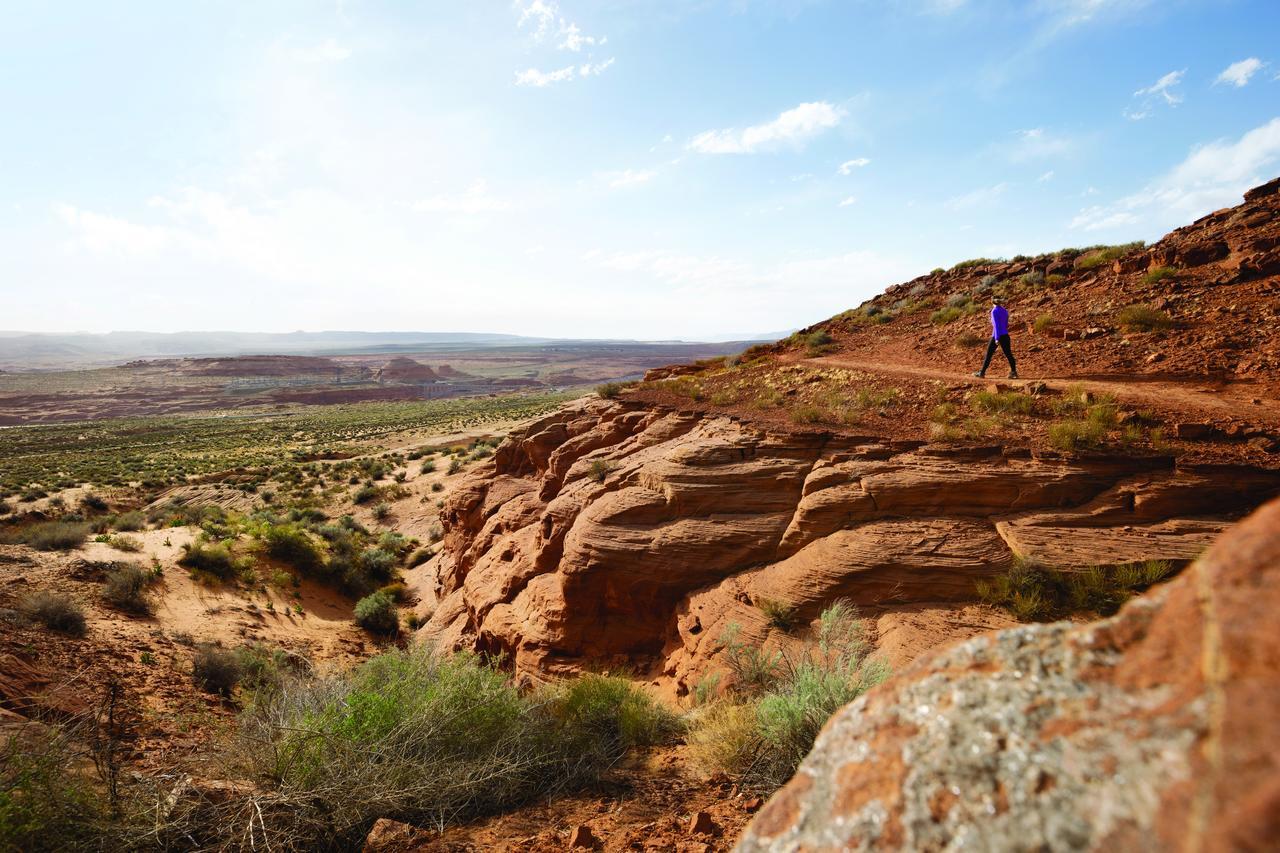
651	169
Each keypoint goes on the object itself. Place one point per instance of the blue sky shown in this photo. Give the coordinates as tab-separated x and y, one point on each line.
617	168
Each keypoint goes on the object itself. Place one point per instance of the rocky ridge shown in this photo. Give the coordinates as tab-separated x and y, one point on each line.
617	534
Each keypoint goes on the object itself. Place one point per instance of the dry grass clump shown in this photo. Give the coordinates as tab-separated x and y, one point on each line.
1043	323
1096	256
1143	318
58	535
778	701
599	470
1033	592
1003	402
126	588
780	614
1158	274
56	611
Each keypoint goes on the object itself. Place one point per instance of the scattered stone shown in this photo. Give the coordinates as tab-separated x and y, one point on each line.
1154	357
1193	432
751	804
1092	332
582	838
392	836
702	824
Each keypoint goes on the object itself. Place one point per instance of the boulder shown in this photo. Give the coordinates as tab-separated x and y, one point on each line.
1154	729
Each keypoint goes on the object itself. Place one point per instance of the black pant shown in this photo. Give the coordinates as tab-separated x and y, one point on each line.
1003	340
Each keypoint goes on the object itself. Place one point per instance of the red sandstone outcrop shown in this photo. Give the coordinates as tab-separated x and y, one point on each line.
610	533
401	369
1155	729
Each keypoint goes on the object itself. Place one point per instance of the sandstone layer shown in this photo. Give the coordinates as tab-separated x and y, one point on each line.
1155	729
611	534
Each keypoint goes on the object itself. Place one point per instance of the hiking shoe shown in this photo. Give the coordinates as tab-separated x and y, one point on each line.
980	375
1013	374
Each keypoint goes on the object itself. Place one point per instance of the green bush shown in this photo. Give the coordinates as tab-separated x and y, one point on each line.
780	614
1032	592
599	470
366	494
430	739
1043	323
1003	402
1096	256
1158	274
55	610
291	545
377	613
609	390
47	802
782	699
945	315
126	588
211	558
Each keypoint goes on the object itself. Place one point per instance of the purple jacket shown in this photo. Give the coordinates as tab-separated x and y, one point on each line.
999	321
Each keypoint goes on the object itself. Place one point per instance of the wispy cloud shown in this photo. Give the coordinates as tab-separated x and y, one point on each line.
545	19
1211	176
792	127
847	167
1238	73
1047	176
848	201
977	198
1161	91
1038	144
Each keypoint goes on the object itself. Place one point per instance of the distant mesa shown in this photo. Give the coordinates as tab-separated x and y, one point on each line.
401	369
261	365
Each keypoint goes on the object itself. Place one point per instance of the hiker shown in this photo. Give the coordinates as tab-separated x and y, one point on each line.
999	335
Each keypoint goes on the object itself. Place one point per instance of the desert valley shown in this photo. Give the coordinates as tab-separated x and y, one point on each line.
1073	564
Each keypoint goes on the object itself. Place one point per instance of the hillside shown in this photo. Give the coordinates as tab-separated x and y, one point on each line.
728	503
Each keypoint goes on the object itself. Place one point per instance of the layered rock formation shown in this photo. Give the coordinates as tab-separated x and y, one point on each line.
610	534
1155	729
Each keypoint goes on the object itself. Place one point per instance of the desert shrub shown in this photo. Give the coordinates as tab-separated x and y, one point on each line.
126	588
1143	318
47	802
455	465
1035	278
366	494
1043	323
945	315
1096	256
377	613
292	546
760	736
968	340
780	614
808	414
428	467
417	558
5	507
609	390
56	611
817	343
215	669
93	503
986	283
56	535
430	739
599	470
1033	592
378	564
1158	274
215	559
382	511
1074	434
128	544
974	262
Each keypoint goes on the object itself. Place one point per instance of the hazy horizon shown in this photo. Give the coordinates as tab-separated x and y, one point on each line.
608	170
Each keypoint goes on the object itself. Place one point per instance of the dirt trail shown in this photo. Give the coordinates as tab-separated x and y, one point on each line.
1222	400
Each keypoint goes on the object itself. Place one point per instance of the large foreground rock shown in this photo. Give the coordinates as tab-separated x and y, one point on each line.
1156	729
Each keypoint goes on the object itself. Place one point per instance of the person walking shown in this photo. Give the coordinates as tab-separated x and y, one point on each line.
999	336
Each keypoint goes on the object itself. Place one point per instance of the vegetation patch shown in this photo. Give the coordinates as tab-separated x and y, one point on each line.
1033	592
1143	318
56	611
778	700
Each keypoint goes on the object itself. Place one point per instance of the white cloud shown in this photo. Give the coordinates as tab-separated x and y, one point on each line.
1038	144
545	18
628	178
1238	73
589	70
101	233
793	127
977	198
475	200
541	14
847	167
1047	176
848	201
1212	176
540	79
1161	91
